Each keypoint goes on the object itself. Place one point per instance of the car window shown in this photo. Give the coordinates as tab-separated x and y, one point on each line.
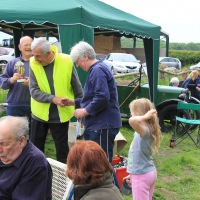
100	56
175	60
3	51
109	57
164	60
125	58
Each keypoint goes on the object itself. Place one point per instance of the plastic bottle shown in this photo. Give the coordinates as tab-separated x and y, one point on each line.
172	142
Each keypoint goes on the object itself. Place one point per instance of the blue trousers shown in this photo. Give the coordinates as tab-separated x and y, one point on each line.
105	138
20	111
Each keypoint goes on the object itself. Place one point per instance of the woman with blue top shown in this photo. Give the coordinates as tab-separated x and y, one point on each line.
193	83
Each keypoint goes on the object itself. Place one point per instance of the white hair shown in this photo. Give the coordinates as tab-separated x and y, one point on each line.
24	38
80	49
174	80
19	126
41	43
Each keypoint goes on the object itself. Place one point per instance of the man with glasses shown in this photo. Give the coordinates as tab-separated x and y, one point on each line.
18	97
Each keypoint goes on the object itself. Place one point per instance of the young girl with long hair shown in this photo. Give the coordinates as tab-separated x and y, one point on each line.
146	141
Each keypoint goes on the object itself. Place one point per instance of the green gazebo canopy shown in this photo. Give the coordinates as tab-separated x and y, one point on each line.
75	20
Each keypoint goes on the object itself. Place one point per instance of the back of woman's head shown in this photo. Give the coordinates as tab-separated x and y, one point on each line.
87	163
141	107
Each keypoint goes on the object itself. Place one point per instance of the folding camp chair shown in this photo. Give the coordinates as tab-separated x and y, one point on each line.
185	128
62	186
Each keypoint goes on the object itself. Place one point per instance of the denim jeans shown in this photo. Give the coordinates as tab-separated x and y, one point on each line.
105	138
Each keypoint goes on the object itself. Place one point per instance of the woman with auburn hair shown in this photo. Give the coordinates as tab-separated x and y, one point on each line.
91	172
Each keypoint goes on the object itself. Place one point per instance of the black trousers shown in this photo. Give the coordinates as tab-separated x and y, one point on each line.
59	133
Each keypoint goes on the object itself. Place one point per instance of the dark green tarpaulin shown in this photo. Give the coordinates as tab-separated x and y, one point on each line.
76	20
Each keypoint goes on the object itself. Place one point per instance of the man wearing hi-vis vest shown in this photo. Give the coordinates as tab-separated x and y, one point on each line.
53	78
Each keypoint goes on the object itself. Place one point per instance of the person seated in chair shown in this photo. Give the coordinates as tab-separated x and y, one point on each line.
174	82
25	173
193	83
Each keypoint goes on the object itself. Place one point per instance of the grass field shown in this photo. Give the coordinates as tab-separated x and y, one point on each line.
178	168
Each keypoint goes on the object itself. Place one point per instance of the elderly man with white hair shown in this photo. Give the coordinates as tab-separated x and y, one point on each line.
174	82
24	171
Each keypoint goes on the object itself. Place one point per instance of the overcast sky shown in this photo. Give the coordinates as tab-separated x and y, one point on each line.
180	19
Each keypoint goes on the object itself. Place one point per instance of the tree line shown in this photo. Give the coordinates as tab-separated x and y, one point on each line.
183	46
187	53
129	43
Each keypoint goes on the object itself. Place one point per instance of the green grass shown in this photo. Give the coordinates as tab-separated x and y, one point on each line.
50	147
3	94
178	171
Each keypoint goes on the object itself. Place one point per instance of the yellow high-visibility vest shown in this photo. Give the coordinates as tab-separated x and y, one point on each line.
62	74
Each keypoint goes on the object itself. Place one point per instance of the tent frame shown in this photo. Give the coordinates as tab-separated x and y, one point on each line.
105	20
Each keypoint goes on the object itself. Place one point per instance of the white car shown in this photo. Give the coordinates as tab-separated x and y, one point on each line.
169	61
4	59
122	63
197	66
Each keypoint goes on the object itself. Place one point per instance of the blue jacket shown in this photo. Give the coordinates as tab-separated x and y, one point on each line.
191	85
28	177
100	99
18	94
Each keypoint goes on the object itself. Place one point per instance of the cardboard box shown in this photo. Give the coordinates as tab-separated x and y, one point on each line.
120	143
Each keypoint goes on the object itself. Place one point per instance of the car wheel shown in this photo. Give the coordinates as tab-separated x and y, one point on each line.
167	118
3	62
113	71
